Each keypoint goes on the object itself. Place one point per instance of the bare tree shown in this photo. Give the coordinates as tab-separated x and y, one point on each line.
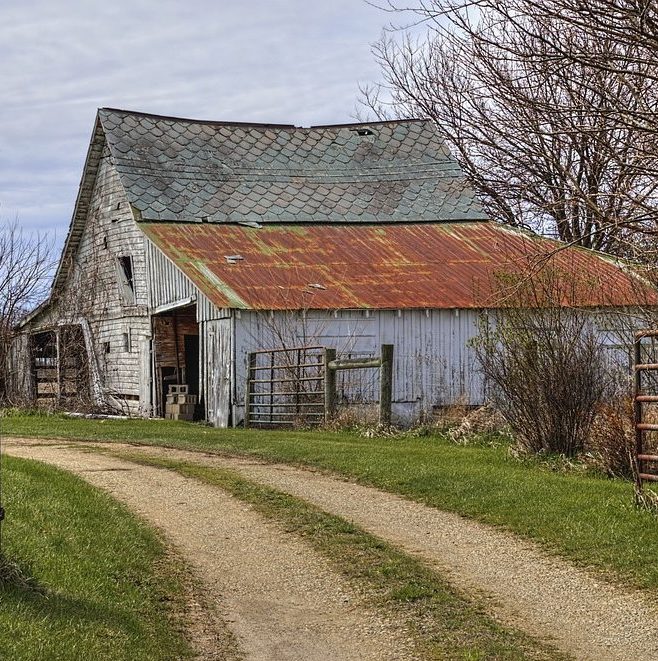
545	360
632	24
25	268
540	136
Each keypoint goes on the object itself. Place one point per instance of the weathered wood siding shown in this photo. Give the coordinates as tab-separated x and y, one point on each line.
20	380
118	328
168	285
434	364
217	357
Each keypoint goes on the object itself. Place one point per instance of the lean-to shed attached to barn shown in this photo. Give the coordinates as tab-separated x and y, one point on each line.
193	243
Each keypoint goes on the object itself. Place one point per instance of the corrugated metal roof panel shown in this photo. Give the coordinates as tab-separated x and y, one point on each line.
390	266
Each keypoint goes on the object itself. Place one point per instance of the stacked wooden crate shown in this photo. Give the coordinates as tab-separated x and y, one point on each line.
180	404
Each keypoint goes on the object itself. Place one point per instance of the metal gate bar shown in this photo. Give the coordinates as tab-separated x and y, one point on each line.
647	463
285	387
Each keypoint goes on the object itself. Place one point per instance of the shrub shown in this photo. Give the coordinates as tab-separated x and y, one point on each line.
547	374
611	439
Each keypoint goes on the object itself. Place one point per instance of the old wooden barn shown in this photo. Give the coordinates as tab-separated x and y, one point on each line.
193	243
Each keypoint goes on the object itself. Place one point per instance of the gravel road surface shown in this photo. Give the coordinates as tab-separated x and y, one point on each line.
280	599
580	613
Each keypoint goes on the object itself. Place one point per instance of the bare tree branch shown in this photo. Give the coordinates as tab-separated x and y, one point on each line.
25	269
550	121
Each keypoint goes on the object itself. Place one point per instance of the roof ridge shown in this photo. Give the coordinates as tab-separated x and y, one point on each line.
213	122
413	120
197	121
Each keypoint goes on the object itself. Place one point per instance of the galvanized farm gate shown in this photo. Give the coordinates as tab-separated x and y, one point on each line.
645	393
285	387
297	386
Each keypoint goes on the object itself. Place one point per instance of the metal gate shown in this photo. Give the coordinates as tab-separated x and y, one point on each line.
644	395
297	386
285	387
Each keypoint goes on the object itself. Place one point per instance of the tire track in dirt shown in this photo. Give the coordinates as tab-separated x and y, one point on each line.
545	596
280	599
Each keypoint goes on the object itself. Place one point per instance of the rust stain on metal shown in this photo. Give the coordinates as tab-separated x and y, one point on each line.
394	266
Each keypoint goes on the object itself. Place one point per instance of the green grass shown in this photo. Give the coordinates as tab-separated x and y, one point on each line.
588	519
445	624
82	578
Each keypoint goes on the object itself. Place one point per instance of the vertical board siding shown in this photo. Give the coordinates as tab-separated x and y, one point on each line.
144	349
434	364
18	371
217	351
168	285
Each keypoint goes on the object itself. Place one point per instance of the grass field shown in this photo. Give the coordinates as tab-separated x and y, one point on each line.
81	577
590	520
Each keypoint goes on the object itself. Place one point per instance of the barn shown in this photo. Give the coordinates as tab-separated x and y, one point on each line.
194	244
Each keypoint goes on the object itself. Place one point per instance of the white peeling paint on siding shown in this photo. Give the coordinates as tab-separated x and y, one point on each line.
434	364
110	232
168	285
217	349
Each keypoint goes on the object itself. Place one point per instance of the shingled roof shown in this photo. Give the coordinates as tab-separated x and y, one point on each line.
189	170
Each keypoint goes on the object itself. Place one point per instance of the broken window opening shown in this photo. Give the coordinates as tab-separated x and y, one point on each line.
126	279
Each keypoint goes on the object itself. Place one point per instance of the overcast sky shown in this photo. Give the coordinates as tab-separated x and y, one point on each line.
290	61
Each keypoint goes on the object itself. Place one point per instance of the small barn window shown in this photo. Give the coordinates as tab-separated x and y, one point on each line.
126	279
106	347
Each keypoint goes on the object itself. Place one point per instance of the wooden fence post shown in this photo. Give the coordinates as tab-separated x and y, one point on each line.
60	372
248	387
386	385
329	385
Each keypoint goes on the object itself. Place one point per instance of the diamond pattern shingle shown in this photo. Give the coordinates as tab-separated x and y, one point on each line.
179	169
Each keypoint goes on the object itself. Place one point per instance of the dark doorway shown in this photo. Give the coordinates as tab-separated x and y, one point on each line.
176	353
192	363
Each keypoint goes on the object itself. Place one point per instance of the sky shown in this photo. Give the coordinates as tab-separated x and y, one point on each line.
280	61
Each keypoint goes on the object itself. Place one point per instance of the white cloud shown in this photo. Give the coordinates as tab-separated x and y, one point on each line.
295	61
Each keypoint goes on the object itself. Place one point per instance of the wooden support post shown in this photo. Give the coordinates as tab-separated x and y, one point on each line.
58	358
272	372
248	387
386	385
298	379
329	385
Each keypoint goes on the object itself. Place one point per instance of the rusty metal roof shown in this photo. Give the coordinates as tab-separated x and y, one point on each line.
389	266
189	170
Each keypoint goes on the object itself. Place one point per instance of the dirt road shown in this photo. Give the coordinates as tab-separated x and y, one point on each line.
547	597
280	599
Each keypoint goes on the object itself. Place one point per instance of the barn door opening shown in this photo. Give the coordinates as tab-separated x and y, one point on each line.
60	368
176	361
45	370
